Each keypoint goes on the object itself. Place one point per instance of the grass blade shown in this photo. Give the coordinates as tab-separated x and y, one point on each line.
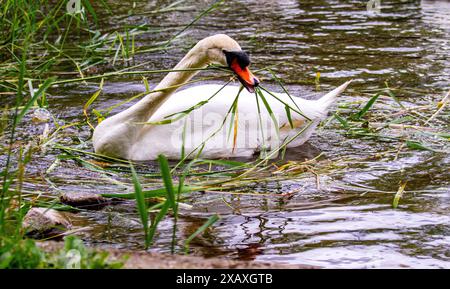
398	195
269	110
288	114
90	101
167	178
366	108
343	121
200	230
91	10
47	83
140	203
161	192
162	213
415	145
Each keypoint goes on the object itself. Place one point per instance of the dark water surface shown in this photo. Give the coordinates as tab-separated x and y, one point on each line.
349	220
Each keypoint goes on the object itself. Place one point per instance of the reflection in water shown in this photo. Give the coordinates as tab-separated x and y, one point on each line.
349	221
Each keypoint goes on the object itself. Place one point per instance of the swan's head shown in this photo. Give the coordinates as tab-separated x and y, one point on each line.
223	50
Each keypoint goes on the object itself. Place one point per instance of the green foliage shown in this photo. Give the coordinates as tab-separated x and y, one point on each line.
28	51
141	205
25	254
398	195
167	178
20	254
202	229
371	120
365	109
33	43
75	255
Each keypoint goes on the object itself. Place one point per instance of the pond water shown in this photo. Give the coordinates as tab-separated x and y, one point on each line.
347	221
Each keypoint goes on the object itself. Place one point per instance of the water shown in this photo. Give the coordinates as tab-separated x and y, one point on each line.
349	220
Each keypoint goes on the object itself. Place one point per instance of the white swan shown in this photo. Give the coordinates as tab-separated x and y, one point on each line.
141	133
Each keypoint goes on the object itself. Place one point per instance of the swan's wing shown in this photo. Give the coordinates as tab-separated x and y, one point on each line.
189	98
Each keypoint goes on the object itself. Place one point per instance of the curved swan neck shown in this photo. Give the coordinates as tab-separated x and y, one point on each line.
118	135
143	110
193	60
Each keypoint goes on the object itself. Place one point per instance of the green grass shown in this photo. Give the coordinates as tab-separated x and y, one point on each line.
35	48
199	231
25	254
398	195
35	51
141	205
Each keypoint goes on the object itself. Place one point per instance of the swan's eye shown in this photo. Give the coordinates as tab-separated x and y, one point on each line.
241	57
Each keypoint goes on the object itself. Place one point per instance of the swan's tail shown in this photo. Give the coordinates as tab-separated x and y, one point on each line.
320	106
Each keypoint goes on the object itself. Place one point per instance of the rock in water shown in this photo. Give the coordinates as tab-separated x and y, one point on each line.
83	200
44	222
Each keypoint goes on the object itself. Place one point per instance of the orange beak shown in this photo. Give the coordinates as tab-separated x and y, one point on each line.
245	76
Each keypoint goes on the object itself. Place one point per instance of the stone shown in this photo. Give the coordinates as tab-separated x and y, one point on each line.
83	200
44	222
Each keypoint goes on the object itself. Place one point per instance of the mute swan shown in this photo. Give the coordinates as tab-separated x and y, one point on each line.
137	133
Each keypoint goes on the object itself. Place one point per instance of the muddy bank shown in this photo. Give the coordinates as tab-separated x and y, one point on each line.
150	260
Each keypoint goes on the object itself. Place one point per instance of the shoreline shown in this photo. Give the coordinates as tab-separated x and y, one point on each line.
152	260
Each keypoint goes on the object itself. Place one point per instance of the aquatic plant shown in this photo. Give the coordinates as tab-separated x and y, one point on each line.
34	44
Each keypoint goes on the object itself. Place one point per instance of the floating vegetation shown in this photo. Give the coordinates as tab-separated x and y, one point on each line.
36	58
31	57
398	195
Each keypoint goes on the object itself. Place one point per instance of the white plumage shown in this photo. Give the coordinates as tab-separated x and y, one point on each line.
135	133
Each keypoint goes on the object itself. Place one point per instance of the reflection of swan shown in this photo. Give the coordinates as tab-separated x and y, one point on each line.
129	134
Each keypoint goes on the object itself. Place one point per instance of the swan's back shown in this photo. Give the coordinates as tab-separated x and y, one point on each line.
224	98
223	135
